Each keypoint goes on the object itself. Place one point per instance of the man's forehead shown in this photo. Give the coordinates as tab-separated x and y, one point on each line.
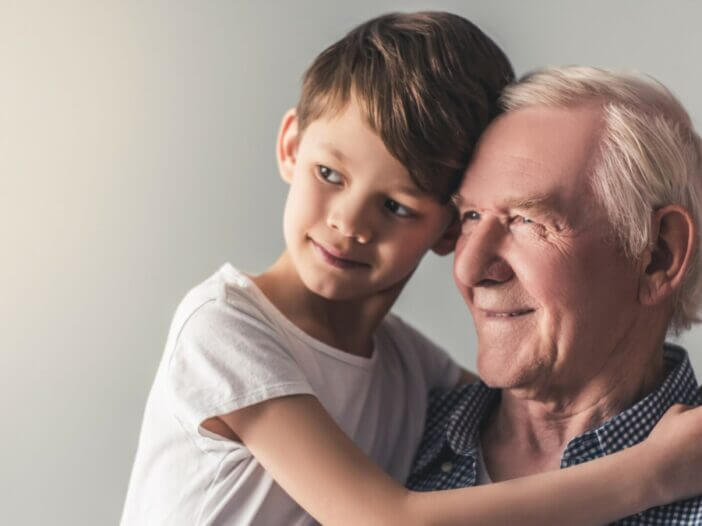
509	178
531	154
543	134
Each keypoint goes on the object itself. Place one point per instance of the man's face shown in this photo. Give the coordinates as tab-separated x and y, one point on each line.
355	223
549	291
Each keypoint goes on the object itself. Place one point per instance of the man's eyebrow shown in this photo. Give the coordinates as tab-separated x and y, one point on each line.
537	202
457	200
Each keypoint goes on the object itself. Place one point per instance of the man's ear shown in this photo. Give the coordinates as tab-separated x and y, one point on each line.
665	263
286	145
447	242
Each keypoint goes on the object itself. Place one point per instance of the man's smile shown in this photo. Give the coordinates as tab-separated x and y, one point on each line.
505	313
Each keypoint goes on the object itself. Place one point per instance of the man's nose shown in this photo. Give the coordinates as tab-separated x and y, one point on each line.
350	217
480	256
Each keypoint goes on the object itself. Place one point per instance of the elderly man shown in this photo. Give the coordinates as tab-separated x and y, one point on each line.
581	218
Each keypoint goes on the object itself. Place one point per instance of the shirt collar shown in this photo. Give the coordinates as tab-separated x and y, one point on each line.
465	422
625	429
634	424
469	404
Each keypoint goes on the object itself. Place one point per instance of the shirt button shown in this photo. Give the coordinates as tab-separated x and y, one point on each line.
447	467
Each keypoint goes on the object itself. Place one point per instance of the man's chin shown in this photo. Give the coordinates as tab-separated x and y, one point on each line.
500	374
492	378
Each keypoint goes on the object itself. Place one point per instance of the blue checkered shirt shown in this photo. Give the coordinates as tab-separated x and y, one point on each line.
448	454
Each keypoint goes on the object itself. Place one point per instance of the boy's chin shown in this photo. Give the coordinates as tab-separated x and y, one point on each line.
333	289
352	291
335	293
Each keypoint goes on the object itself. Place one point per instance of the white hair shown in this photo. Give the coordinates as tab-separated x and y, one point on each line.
649	156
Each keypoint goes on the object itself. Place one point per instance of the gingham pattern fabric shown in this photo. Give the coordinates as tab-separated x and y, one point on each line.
447	455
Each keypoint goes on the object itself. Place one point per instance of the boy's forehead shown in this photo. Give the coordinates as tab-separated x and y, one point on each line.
352	134
334	151
346	138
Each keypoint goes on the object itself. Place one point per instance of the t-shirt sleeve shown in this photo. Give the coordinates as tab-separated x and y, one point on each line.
225	359
439	369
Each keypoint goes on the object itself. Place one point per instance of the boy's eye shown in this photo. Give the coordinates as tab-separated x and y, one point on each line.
398	209
329	175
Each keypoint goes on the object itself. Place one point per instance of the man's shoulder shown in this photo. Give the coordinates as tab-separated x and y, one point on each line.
445	403
464	404
447	400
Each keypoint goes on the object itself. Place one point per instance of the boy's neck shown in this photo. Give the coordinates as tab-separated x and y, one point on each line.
346	325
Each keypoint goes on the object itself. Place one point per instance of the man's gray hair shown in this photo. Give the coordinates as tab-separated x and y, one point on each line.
649	156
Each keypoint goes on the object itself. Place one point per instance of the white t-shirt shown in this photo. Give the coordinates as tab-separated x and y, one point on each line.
228	348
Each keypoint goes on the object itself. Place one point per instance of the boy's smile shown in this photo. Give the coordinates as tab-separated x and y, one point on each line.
355	223
337	258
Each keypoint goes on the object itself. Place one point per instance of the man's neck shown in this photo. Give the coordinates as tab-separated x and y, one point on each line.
345	325
527	434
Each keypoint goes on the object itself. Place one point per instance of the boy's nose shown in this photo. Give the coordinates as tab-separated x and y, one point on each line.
350	221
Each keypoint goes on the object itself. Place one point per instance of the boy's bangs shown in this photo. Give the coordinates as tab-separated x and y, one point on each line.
427	83
437	172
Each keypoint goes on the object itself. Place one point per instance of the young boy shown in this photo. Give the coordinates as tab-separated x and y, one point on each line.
274	388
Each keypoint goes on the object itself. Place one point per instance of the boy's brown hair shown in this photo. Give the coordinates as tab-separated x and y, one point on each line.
428	83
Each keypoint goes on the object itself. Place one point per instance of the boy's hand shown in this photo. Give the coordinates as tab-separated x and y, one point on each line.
675	446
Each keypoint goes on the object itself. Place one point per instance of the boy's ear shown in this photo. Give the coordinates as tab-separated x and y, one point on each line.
286	145
666	262
447	242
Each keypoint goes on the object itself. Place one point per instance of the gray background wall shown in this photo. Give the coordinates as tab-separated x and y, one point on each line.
136	155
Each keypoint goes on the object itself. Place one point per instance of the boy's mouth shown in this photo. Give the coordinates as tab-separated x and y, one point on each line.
336	259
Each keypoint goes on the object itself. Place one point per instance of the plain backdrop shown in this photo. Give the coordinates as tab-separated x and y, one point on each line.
137	155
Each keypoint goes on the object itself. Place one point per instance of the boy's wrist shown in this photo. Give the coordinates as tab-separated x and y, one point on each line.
651	470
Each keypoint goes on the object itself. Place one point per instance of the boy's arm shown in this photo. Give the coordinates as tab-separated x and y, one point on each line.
327	474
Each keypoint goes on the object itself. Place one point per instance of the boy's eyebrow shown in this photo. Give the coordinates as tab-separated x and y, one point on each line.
411	190
408	189
334	151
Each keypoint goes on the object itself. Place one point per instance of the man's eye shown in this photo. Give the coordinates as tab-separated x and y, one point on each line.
470	215
469	221
329	175
533	225
398	209
524	220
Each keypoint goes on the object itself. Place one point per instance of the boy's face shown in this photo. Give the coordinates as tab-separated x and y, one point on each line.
355	223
